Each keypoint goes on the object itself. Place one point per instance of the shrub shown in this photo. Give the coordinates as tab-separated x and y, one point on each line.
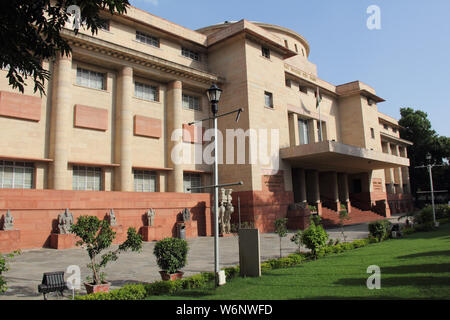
314	238
232	272
442	211
171	254
316	219
163	287
4	260
380	229
424	216
297	239
96	236
427	226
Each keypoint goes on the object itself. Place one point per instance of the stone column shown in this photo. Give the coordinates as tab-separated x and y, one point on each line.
316	190
302	177
124	120
335	189
398	172
293	130
174	121
313	132
343	190
62	115
391	176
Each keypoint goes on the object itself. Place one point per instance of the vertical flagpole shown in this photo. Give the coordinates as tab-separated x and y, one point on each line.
320	115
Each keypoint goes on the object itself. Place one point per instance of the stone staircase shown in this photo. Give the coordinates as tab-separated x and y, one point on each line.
330	218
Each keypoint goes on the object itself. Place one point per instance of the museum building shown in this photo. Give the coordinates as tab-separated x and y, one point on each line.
106	121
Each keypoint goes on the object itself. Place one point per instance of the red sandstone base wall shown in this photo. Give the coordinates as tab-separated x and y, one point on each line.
36	212
262	208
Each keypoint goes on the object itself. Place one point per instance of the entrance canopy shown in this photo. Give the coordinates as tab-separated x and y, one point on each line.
335	156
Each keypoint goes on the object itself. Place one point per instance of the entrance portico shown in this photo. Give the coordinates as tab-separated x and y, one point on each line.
328	174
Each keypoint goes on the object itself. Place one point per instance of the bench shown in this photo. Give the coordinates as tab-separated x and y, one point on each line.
52	282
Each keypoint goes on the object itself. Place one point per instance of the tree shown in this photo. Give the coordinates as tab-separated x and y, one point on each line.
343	215
281	229
96	236
314	238
4	267
417	129
30	33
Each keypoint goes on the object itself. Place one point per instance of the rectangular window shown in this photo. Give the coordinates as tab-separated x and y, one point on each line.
288	83
303	131
16	175
190	54
192	180
144	181
87	178
91	79
372	133
191	102
147	39
145	91
394	130
303	89
265	52
386	127
296	48
268	99
286	44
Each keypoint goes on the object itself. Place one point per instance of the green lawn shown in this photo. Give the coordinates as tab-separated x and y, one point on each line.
416	267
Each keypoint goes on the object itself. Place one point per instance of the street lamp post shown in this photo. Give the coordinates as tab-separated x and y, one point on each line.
430	166
214	94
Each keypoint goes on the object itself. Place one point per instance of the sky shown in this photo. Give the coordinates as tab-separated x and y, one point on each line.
407	61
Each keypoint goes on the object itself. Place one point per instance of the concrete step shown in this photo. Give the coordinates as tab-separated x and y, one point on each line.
330	218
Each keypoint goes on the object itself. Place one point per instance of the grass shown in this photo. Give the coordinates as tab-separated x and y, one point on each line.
415	267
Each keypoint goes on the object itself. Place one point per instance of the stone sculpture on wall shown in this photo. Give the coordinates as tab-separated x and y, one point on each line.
151	217
186	215
8	221
65	222
112	218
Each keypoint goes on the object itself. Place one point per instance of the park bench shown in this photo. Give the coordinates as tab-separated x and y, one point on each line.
52	282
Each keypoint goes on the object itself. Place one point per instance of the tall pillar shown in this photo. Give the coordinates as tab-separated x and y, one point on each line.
293	130
124	119
174	121
60	177
398	172
302	177
335	190
313	131
316	191
344	196
391	175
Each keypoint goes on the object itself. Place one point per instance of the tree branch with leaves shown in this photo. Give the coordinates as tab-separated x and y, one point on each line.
30	32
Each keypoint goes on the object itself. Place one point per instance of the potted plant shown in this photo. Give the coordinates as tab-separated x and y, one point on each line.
171	255
96	236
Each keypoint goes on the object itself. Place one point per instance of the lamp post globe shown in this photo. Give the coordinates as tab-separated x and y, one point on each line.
214	93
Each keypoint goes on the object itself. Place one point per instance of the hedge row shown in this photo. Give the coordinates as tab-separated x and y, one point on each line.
202	280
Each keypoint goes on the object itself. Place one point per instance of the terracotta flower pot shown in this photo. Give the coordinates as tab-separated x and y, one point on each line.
94	288
171	276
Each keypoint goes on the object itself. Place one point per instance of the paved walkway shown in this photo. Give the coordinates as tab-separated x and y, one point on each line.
26	269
